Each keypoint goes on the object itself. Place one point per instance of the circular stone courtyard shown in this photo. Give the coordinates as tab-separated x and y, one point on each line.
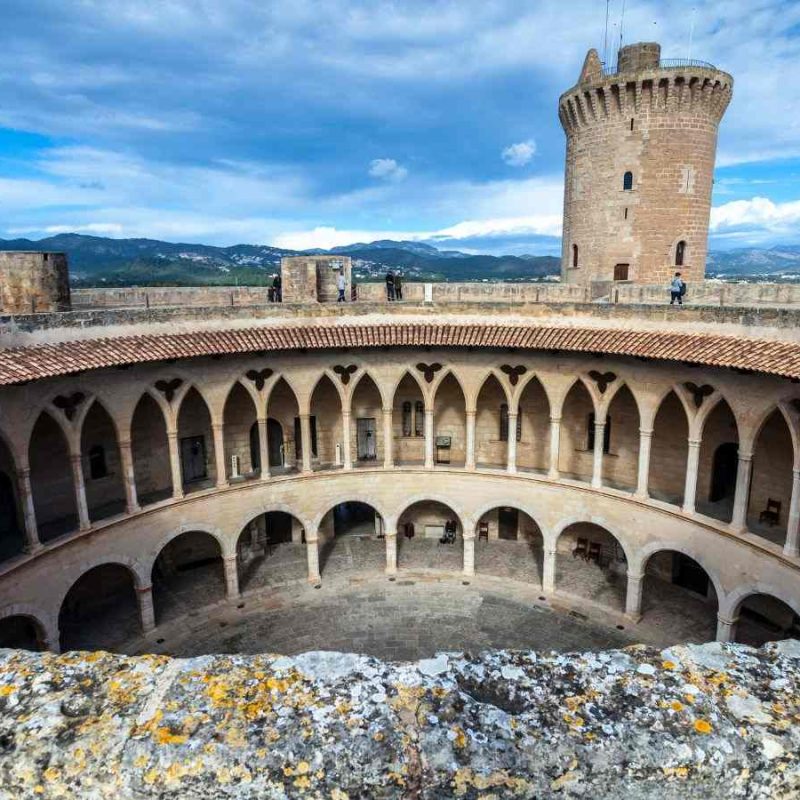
404	619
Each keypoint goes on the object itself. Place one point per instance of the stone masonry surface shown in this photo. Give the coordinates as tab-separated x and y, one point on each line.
708	721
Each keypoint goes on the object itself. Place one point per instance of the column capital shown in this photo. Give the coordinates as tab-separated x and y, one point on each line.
230	559
125	444
24	473
471	412
745	457
694	442
599	423
309	540
646	433
75	458
218	426
727	620
387	410
468	537
796	473
346	412
144	589
555	420
635	577
390	534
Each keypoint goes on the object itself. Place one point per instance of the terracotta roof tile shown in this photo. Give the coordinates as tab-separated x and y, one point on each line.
760	355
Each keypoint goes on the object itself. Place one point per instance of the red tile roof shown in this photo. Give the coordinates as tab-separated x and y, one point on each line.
42	361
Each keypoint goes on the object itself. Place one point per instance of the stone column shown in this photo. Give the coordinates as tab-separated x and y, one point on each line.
726	628
347	444
219	454
263	448
792	544
428	438
470	456
175	465
230	563
32	543
512	442
645	444
80	491
391	552
147	616
692	467
128	476
633	596
549	570
597	464
388	439
469	555
742	498
555	443
312	555
305	442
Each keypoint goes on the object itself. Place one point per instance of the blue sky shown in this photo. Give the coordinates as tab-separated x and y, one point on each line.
319	123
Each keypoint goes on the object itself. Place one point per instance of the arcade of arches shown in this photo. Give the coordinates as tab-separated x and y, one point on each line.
694	454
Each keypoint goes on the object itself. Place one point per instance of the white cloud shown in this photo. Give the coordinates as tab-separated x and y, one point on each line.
387	169
519	154
756	213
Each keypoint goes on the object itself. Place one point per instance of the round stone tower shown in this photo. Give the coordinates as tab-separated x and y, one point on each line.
641	143
33	282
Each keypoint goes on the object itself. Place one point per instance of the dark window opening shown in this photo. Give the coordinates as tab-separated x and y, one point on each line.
680	253
97	462
574	256
407	418
626	213
193	458
627	181
419	418
621	272
590	431
631	123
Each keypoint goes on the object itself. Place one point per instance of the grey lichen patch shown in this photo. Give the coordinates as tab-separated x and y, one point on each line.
706	722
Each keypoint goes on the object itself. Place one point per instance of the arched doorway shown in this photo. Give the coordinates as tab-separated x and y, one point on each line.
669	452
51	480
102	467
188	574
771	484
450	423
283	424
196	443
20	632
621	460
271	551
678	598
241	435
100	611
408	422
150	451
533	449
576	450
421	540
12	538
591	563
509	544
719	460
764	618
491	426
351	539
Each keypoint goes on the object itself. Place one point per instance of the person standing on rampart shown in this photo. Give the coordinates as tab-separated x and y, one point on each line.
677	289
390	285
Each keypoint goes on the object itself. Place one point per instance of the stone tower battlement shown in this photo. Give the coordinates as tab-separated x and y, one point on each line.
641	145
32	282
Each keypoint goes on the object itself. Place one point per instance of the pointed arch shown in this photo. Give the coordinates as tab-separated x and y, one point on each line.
450	420
51	479
283	410
623	420
577	425
150	451
533	407
242	446
408	420
669	450
492	406
196	441
718	462
102	465
366	420
325	409
12	524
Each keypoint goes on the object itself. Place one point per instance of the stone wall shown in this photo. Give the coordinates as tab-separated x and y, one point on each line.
711	721
33	282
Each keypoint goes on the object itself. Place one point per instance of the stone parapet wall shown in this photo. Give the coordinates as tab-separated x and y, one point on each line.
170	296
478	292
711	293
714	721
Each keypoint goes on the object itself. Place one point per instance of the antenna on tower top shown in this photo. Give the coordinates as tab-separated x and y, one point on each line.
691	32
621	22
605	37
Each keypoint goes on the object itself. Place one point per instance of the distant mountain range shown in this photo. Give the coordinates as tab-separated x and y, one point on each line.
98	261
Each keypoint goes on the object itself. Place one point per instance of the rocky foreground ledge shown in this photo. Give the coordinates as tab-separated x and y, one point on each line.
710	721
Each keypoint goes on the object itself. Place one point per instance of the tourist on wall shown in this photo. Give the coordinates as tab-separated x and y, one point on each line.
277	295
398	287
341	284
677	289
390	285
